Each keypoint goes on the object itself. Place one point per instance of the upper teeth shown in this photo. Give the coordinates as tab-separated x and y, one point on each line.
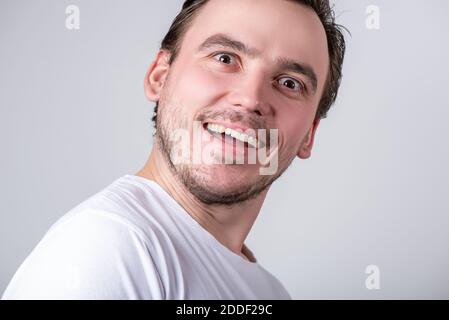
252	141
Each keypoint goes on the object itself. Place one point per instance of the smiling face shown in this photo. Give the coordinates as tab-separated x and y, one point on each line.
242	65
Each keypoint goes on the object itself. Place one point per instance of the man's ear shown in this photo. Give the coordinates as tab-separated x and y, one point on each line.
157	75
305	151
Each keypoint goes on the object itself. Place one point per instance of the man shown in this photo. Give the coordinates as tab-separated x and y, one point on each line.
230	76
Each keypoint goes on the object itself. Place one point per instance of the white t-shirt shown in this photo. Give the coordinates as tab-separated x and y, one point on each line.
132	240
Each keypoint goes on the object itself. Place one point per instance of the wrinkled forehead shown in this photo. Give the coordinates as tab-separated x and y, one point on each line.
277	28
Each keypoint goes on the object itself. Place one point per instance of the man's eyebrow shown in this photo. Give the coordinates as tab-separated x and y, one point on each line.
222	40
225	41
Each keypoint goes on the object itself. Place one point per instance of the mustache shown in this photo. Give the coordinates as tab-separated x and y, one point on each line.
233	116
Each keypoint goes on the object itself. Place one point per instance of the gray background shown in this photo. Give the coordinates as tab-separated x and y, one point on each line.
73	118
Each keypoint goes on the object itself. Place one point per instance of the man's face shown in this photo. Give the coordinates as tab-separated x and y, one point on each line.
275	82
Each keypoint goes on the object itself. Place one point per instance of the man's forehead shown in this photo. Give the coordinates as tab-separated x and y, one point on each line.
244	13
276	29
261	25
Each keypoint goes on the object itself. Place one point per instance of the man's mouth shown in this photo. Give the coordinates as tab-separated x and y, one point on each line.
222	132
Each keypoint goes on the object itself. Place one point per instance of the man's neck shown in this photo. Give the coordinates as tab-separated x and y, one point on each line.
229	225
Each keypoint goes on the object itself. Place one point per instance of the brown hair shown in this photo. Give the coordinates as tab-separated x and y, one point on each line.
335	40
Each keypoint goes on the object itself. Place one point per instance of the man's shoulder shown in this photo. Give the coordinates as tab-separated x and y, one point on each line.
116	244
89	254
129	211
95	223
123	205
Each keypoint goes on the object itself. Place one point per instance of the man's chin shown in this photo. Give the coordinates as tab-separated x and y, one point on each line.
230	174
223	184
218	193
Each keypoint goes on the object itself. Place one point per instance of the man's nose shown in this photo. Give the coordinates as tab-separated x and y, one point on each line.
249	93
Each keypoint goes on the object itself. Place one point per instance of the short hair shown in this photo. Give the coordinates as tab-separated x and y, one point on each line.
335	41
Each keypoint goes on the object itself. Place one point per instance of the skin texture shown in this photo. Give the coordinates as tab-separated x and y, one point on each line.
248	89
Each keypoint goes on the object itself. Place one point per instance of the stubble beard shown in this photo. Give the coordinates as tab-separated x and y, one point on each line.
198	179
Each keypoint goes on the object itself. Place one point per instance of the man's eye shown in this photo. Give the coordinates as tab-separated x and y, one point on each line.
225	58
291	84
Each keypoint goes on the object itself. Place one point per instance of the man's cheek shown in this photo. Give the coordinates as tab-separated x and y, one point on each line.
202	85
